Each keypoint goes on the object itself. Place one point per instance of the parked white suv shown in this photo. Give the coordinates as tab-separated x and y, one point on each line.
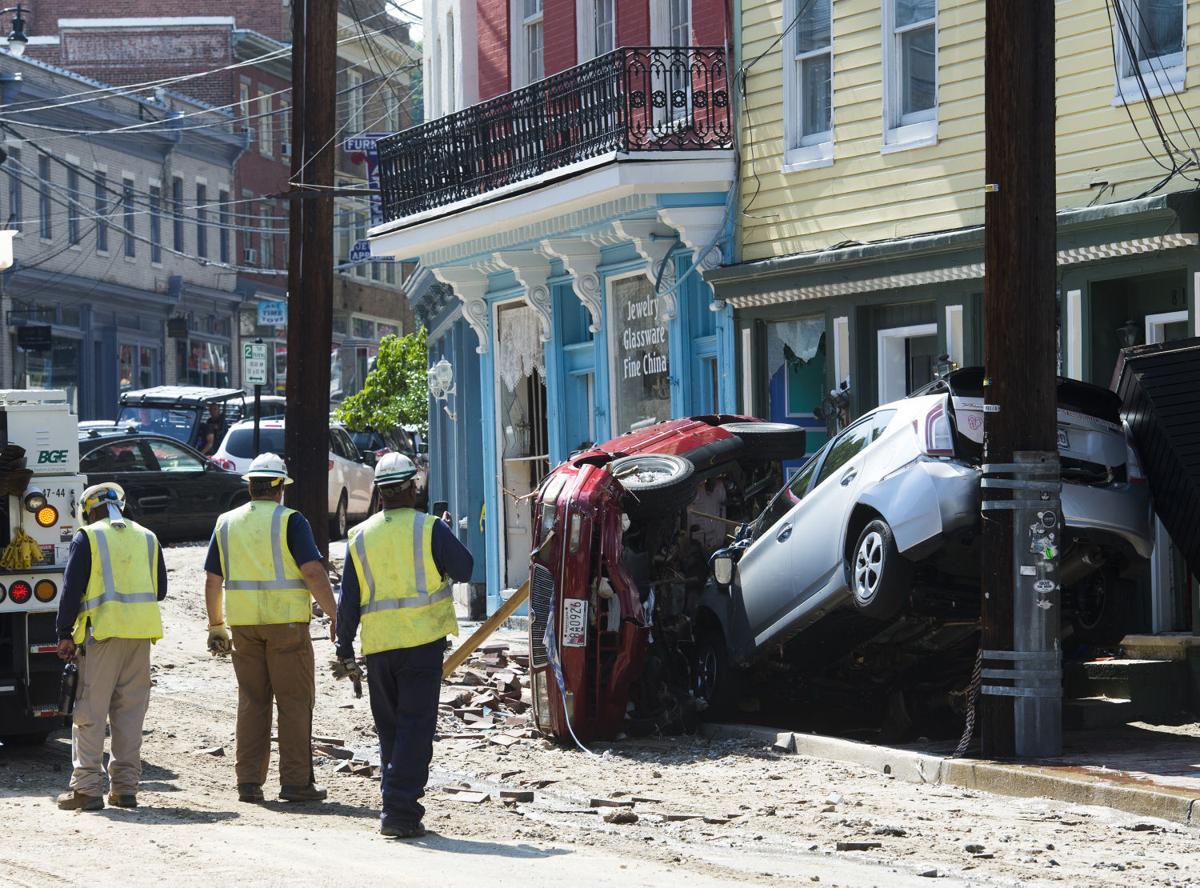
350	478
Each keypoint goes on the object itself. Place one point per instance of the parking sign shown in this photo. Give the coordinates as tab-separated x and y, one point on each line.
254	363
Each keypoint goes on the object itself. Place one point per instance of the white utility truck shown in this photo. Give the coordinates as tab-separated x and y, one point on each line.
35	535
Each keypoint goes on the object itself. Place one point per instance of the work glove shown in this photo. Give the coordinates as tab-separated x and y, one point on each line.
219	642
347	667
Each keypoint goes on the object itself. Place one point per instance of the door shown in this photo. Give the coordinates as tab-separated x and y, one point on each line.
130	464
193	501
798	552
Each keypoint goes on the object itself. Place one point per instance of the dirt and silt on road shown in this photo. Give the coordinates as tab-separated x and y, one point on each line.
704	812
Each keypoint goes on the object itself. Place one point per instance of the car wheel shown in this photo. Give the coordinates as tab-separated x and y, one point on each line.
1100	605
769	440
714	681
880	578
656	483
340	523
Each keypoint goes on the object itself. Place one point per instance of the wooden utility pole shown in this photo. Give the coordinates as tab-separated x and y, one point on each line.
310	260
1019	298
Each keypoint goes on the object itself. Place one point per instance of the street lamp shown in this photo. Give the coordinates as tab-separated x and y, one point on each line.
17	40
441	384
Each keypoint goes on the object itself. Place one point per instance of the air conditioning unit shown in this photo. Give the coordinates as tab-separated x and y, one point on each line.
285	149
249	256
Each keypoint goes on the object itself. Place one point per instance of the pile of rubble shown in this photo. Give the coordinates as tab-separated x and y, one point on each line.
487	699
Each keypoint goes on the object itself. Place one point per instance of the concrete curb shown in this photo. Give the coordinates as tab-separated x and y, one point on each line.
1074	785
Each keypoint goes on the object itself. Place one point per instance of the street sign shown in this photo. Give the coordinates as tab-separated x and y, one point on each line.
272	313
254	363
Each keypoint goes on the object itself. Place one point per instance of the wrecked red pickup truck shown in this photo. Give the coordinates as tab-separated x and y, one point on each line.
620	561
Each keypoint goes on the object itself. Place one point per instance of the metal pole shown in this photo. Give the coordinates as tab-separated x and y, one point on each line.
1019	359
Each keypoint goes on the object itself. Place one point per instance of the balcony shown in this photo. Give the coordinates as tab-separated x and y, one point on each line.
634	101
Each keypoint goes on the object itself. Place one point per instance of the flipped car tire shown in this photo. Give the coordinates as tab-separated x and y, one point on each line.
880	578
655	483
769	440
714	680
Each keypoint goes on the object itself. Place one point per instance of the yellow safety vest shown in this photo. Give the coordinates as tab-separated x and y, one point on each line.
121	600
263	583
405	600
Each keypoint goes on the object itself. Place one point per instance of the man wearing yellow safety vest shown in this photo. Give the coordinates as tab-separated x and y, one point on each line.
396	583
108	617
265	557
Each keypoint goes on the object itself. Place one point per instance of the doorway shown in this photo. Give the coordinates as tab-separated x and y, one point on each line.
907	358
522	441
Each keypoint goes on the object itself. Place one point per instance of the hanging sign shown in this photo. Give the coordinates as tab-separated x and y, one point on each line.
272	313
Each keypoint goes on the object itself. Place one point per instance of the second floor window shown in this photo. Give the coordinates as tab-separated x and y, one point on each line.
603	27
1150	45
201	220
177	212
46	224
354	102
102	212
156	223
910	32
14	188
811	75
532	29
128	217
679	22
73	197
266	124
223	232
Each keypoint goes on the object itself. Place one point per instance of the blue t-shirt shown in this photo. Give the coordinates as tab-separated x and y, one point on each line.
300	543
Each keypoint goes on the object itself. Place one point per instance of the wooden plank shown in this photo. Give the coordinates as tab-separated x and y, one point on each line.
480	635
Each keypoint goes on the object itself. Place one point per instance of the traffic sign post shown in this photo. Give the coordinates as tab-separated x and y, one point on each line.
254	372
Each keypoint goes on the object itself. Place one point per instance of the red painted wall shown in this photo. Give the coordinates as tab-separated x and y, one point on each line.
709	28
492	34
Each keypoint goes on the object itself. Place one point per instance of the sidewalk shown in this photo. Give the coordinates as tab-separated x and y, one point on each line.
1141	769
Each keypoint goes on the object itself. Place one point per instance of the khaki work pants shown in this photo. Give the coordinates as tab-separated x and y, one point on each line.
274	662
113	689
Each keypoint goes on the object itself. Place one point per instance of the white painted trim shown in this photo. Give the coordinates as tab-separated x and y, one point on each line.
1162	79
747	370
955	333
202	180
600	181
841	350
1196	303
884	339
1075	334
44	40
1073	256
148	22
1155	323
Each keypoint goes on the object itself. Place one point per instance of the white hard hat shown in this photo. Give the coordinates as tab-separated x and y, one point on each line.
105	493
394	468
268	465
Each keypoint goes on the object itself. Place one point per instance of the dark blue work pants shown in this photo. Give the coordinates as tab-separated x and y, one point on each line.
404	686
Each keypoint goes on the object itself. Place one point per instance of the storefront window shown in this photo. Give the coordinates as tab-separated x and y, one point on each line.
364	328
138	365
203	363
280	380
796	357
57	368
147	366
641	371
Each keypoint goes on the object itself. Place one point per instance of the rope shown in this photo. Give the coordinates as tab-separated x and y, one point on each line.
972	697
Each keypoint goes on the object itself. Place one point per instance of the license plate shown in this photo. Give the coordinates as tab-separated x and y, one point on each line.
1064	440
575	622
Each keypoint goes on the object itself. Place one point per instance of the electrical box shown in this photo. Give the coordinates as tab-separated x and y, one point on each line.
41	422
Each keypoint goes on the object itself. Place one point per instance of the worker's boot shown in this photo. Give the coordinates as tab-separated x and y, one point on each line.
250	792
122	799
310	793
77	801
397	829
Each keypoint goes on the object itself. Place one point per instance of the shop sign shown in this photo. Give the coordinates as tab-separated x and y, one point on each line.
642	367
34	337
254	363
272	313
361	251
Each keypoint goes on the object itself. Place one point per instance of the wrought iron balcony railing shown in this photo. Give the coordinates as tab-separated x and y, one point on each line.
634	99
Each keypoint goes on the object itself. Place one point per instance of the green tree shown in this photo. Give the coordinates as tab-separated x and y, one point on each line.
395	392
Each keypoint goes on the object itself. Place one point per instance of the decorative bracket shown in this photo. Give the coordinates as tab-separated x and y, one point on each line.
532	270
653	244
701	228
470	286
581	259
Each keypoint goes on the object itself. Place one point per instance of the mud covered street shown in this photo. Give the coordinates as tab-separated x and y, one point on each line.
663	811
